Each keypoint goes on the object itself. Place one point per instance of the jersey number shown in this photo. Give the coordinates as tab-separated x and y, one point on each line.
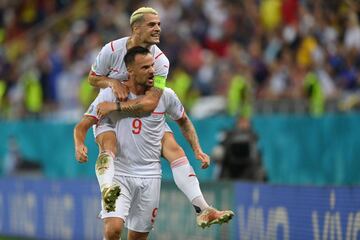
136	124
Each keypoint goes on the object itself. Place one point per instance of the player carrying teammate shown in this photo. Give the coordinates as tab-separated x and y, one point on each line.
107	70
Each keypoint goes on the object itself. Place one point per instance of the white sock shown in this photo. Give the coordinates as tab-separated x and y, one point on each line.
104	169
200	202
186	180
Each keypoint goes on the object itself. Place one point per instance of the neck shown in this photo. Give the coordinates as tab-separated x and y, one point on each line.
135	88
135	40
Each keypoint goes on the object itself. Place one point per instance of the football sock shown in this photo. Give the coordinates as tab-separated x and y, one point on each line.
104	169
199	203
186	180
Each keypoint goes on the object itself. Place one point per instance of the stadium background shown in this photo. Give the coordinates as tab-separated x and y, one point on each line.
288	67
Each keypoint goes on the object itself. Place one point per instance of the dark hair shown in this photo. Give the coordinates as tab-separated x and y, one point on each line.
132	52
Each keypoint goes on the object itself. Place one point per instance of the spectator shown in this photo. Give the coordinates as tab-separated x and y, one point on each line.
212	39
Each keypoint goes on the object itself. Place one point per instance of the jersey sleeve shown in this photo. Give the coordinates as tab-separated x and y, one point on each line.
105	95
102	63
174	107
162	65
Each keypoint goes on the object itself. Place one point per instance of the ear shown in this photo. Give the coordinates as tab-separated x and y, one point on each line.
135	28
130	69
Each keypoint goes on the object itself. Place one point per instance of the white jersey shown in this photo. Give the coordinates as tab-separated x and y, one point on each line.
139	139
110	60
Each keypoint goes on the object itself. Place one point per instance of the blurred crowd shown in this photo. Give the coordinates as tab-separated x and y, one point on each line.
225	55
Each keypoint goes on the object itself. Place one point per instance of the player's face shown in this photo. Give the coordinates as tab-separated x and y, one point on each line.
143	70
150	29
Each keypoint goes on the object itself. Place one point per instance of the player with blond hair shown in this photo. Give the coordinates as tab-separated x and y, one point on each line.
109	70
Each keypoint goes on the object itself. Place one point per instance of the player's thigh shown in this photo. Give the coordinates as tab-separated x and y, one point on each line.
144	206
107	141
113	226
133	235
171	150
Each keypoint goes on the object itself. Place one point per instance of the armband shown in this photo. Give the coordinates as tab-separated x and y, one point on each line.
160	82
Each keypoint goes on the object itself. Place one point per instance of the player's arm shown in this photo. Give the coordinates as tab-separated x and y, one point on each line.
80	132
104	108
189	132
119	89
135	107
175	110
144	104
100	69
149	102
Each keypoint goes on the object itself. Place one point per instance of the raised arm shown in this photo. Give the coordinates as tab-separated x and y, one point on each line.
80	132
189	132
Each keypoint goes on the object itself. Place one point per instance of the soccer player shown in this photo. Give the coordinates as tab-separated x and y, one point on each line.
137	165
107	71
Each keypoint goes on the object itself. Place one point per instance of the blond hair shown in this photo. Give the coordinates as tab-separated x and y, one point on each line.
139	14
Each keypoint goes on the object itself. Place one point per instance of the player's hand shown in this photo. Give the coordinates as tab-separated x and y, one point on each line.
204	158
81	153
120	90
105	108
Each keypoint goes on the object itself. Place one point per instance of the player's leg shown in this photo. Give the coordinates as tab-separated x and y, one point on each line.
104	168
144	207
183	174
186	180
113	227
114	222
133	235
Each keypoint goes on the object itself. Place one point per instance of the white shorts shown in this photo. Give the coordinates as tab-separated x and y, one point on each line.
138	202
103	125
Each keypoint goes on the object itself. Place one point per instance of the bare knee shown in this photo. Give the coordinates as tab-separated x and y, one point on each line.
113	228
132	235
112	233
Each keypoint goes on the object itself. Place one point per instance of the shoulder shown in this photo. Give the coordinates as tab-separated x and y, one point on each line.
159	55
172	103
107	94
116	46
169	93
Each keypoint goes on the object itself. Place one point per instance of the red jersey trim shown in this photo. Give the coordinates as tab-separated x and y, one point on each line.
112	46
88	115
158	55
93	73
